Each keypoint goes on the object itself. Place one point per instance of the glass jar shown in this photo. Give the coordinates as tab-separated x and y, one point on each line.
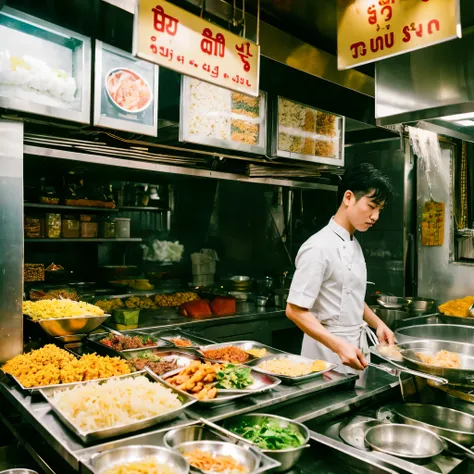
53	226
89	230
34	227
70	227
108	228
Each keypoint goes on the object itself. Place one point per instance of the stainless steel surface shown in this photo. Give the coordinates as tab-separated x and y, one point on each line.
59	41
95	339
463	376
104	433
354	432
195	432
408	442
168	169
11	239
388	370
391	317
101	118
245	457
423	77
293	358
57	327
452	424
120	456
18	471
196	341
438	332
286	457
391	302
245	346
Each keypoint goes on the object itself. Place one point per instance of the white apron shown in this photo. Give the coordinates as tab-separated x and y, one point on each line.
348	326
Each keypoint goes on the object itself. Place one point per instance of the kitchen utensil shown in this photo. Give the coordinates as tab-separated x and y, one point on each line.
372	337
126	454
391	317
391	302
353	433
286	457
281	296
105	433
463	376
420	305
437	332
404	441
67	326
446	422
245	457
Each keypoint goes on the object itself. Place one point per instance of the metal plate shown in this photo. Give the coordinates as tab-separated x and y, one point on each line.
105	433
262	383
294	358
177	334
160	343
245	346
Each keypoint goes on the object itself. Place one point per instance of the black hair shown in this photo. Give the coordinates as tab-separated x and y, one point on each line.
366	180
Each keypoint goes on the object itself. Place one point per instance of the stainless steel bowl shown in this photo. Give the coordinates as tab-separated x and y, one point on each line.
420	305
239	279
186	434
126	454
286	457
18	471
67	326
391	302
404	441
391	317
437	332
243	456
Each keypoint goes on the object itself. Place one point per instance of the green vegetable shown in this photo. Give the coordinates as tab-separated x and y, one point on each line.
150	356
127	317
234	377
270	435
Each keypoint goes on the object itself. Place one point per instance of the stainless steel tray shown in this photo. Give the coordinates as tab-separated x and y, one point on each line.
196	341
105	433
245	346
183	359
95	339
294	358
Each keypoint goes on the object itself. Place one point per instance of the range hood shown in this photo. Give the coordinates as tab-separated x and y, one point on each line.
432	88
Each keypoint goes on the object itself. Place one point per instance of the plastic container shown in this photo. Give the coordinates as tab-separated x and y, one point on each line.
122	227
70	227
109	228
53	226
89	230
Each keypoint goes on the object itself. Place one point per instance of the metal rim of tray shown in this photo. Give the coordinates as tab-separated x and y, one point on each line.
170	333
165	344
104	433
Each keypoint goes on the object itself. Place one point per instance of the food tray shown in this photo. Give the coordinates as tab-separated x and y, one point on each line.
160	343
245	346
294	358
173	334
183	359
106	433
70	326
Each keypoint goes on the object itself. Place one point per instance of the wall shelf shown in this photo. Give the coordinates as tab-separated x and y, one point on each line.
111	241
69	208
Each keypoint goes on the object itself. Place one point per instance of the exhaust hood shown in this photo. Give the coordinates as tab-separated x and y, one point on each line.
432	88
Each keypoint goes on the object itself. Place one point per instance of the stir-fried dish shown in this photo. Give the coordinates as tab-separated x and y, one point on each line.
157	364
231	354
181	342
123	343
128	90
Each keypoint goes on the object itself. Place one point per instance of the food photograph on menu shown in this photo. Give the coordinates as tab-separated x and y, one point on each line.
126	91
212	115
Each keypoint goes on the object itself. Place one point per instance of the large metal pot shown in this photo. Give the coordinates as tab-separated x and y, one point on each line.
437	332
391	317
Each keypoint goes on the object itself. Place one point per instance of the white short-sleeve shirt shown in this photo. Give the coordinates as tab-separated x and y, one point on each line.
331	277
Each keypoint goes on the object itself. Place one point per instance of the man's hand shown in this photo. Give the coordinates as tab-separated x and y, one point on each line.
351	356
385	335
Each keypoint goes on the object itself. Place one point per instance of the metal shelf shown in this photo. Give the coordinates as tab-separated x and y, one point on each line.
135	208
132	239
69	208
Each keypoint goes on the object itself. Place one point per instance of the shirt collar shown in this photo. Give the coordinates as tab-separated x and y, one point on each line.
339	230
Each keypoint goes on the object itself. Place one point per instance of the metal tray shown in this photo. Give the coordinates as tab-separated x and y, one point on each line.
183	359
245	346
294	358
160	343
106	433
176	333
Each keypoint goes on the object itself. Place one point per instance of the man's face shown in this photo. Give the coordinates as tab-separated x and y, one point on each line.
362	213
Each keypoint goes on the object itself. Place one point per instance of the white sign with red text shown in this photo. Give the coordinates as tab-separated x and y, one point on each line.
176	39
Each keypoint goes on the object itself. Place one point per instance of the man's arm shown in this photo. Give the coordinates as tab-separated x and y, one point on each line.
305	320
384	334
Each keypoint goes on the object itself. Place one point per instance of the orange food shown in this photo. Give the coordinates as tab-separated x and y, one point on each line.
231	354
209	462
445	359
177	341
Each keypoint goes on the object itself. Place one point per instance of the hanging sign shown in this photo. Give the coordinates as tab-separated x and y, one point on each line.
176	39
370	30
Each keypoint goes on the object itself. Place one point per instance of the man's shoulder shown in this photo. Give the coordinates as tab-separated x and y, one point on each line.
325	238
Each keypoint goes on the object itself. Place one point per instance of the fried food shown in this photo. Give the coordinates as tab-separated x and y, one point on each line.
49	309
51	365
292	369
445	359
181	342
257	353
175	299
110	305
231	354
213	463
198	379
459	307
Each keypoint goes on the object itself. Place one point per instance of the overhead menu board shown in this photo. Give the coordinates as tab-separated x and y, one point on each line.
306	133
214	116
44	69
125	91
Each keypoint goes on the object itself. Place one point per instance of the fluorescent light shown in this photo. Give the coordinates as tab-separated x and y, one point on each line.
453	118
465	123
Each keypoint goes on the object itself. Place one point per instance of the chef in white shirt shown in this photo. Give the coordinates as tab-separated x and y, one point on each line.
327	294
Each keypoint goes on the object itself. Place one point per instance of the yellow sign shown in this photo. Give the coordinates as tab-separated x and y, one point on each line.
174	38
369	30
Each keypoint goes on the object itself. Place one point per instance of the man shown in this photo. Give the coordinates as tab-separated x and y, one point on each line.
326	299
